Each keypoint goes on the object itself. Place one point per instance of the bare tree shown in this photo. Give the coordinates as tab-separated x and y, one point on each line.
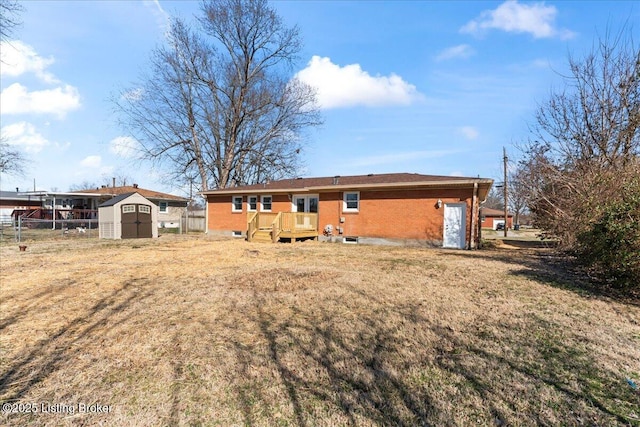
9	19
83	185
220	103
105	180
585	139
495	198
518	193
12	161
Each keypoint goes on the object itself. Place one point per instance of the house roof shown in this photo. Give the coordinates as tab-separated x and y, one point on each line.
493	212
43	194
389	180
14	195
129	189
116	199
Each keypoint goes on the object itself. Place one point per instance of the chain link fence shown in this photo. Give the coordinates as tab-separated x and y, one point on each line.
31	229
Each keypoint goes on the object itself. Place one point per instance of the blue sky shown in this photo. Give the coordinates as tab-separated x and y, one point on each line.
405	86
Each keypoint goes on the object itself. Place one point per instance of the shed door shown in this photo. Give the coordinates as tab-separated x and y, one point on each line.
136	221
144	221
454	225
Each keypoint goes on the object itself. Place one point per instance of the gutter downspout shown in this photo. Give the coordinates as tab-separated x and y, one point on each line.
206	215
474	214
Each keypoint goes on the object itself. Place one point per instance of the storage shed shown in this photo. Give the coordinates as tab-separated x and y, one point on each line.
128	216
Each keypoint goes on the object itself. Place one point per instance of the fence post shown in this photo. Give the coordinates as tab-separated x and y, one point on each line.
19	236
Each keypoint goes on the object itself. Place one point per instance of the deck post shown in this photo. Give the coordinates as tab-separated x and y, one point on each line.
274	232
250	231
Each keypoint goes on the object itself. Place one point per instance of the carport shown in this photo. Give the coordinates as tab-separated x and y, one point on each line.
128	216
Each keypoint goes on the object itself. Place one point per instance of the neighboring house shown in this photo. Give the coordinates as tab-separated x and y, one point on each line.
52	205
490	218
14	202
171	209
381	208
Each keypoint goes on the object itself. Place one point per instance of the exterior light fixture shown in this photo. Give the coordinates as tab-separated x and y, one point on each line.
439	204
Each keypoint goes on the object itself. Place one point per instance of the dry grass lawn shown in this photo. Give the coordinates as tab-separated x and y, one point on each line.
195	331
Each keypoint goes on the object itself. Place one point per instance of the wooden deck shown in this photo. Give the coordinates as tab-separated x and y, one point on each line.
273	226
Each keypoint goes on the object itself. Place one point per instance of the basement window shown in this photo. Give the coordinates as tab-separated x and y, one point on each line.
236	204
236	233
351	240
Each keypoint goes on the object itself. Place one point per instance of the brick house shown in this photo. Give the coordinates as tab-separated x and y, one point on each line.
381	208
490	218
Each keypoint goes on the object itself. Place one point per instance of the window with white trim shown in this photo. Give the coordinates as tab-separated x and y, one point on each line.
128	208
265	204
252	203
164	207
144	209
236	204
351	201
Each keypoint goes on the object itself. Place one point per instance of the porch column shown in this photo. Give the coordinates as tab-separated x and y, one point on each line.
53	215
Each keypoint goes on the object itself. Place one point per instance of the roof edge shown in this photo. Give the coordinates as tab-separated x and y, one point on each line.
341	187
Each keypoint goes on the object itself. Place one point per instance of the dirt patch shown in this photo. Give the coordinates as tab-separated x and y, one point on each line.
524	244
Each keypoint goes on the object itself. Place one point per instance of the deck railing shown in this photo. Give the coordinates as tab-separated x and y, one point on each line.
294	221
252	225
279	223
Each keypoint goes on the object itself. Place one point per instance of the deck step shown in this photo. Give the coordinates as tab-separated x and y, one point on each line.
262	236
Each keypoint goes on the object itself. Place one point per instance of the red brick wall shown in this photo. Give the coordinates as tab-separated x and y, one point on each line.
222	218
395	214
488	221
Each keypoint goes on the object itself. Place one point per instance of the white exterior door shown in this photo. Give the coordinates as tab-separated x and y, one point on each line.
454	225
305	204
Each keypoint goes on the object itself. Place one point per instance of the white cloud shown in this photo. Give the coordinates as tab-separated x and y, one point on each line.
16	99
93	162
133	95
536	19
469	132
401	157
351	86
460	51
163	19
24	134
19	58
540	63
92	167
124	146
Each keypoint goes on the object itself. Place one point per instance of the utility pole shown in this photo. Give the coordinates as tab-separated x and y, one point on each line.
506	197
